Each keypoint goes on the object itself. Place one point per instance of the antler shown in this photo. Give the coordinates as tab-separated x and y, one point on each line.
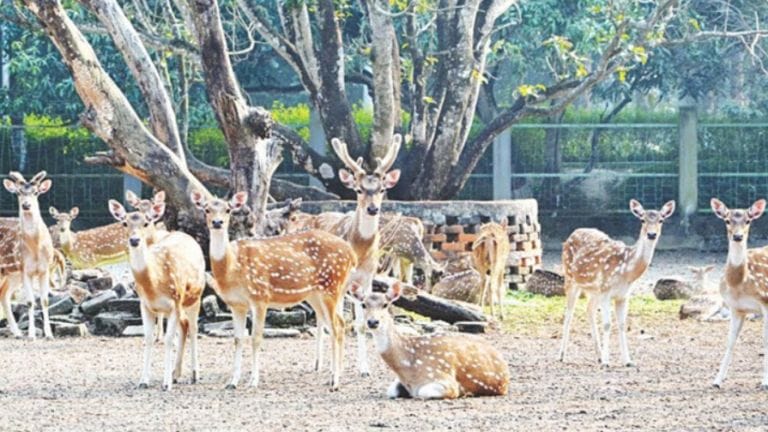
17	177
38	177
341	151
389	159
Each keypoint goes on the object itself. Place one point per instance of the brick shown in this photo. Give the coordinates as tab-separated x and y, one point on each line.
435	238
467	238
454	247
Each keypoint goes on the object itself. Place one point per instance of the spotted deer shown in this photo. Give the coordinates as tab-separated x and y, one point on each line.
93	247
170	278
36	246
254	274
605	269
363	229
744	286
434	366
401	240
490	252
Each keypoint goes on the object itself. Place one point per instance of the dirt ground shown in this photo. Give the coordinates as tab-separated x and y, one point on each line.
90	384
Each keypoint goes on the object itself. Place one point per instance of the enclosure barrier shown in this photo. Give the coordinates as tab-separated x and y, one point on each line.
451	227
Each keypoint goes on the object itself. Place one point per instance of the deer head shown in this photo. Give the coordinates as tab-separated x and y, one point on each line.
137	222
376	305
370	188
217	211
143	205
651	219
277	220
64	220
27	191
737	221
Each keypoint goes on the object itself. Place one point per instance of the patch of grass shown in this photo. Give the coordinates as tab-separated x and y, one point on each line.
536	315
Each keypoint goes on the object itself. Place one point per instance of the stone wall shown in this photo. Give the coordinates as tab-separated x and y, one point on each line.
451	227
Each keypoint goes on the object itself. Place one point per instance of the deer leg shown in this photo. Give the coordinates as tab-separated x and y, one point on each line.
337	333
159	327
406	272
322	324
500	291
737	322
764	384
44	283
259	314
622	307
572	295
192	314
397	390
362	352
592	318
7	292
438	390
605	310
183	326
148	321
173	322
238	322
30	295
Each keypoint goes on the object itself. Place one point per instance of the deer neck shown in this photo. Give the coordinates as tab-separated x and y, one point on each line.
67	240
31	224
640	255
140	259
736	266
221	252
391	346
365	226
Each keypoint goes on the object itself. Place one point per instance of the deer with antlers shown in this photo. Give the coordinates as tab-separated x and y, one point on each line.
744	286
363	229
35	247
435	366
254	274
490	252
170	278
605	269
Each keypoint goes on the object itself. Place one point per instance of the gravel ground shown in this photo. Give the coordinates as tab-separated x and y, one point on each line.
90	385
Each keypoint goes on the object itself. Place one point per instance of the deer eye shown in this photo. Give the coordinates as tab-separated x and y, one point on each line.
364	306
208	210
748	221
358	190
125	224
386	305
227	211
146	224
727	222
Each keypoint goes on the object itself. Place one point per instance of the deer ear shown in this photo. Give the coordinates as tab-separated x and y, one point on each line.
391	178
74	212
131	199
394	291
708	268
757	209
295	204
45	186
667	210
197	199
10	186
52	210
357	291
156	211
238	201
117	210
636	208
719	208
159	197
347	178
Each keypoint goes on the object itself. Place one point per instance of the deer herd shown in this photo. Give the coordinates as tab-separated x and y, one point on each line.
321	259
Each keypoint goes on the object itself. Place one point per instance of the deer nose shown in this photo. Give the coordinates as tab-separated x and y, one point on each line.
738	237
652	236
133	241
373	324
373	210
217	224
26	206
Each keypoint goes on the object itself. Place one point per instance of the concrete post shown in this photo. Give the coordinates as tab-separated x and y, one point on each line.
317	140
502	166
688	159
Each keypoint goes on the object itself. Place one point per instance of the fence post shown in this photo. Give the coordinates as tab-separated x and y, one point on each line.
502	165
316	140
688	159
131	183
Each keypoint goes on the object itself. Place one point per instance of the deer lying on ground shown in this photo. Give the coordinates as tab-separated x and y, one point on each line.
605	269
93	247
490	252
435	366
170	278
254	274
36	249
744	286
466	286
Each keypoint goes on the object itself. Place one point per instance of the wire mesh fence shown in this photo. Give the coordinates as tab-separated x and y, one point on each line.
569	168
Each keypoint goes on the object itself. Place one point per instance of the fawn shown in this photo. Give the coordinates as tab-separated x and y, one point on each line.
490	252
605	269
435	366
170	278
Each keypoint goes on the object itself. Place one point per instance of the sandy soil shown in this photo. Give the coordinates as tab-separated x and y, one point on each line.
90	385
